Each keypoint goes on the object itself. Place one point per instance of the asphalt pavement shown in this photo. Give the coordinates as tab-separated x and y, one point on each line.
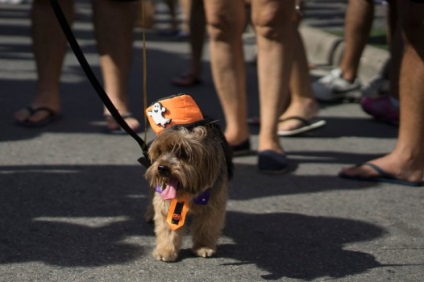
72	198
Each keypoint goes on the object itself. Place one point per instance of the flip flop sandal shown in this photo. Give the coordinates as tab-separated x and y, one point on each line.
50	117
118	130
306	126
381	177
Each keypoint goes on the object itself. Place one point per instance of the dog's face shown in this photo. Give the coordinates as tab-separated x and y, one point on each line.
191	159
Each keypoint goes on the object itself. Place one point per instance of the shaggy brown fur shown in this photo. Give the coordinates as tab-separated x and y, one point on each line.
199	158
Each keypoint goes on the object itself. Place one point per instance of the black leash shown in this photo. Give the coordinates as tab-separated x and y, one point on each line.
144	160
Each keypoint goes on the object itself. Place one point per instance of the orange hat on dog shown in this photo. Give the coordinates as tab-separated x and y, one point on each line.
173	110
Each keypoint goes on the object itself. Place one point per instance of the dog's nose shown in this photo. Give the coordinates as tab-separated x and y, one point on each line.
163	169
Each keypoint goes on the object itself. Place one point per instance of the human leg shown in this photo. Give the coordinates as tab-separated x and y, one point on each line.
274	28
197	34
49	47
342	83
225	24
185	6
172	7
114	23
358	22
406	161
381	96
197	24
302	102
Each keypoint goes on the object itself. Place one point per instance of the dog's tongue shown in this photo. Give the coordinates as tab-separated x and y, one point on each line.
170	191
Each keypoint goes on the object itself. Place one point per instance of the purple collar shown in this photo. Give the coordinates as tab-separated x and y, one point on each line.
202	199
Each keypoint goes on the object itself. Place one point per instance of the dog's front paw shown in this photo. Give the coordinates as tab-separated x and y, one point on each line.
204	252
164	255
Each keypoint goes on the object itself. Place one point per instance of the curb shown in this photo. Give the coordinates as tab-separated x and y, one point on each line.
326	49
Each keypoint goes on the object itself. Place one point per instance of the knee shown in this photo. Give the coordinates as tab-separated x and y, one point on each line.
221	28
272	24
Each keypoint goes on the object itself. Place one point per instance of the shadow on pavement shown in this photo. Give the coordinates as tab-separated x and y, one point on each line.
71	215
83	215
248	183
299	246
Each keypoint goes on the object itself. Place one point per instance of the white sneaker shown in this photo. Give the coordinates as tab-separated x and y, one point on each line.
378	86
333	87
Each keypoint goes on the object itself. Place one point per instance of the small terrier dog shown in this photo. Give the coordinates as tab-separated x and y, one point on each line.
191	166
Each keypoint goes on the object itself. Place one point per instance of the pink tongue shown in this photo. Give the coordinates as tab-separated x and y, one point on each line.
170	192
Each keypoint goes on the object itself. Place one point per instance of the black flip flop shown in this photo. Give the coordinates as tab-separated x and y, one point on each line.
50	117
381	177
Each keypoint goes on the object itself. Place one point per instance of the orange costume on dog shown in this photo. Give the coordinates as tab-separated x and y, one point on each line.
173	110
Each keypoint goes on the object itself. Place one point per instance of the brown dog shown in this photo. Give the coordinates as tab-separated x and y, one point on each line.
191	168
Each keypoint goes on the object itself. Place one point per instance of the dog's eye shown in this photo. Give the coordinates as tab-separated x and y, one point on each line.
181	154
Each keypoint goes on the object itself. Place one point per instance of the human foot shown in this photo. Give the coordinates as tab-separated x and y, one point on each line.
305	110
303	127
32	116
113	127
271	162
241	149
385	169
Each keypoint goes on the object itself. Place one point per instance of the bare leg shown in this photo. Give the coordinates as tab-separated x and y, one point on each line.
396	49
302	101
49	47
172	6
359	17
274	29
406	161
197	35
225	22
185	6
114	23
197	24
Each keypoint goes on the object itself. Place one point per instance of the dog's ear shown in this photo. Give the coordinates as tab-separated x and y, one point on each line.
149	144
143	160
228	152
228	158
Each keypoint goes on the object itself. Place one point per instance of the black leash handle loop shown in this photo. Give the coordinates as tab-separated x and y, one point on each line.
95	83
